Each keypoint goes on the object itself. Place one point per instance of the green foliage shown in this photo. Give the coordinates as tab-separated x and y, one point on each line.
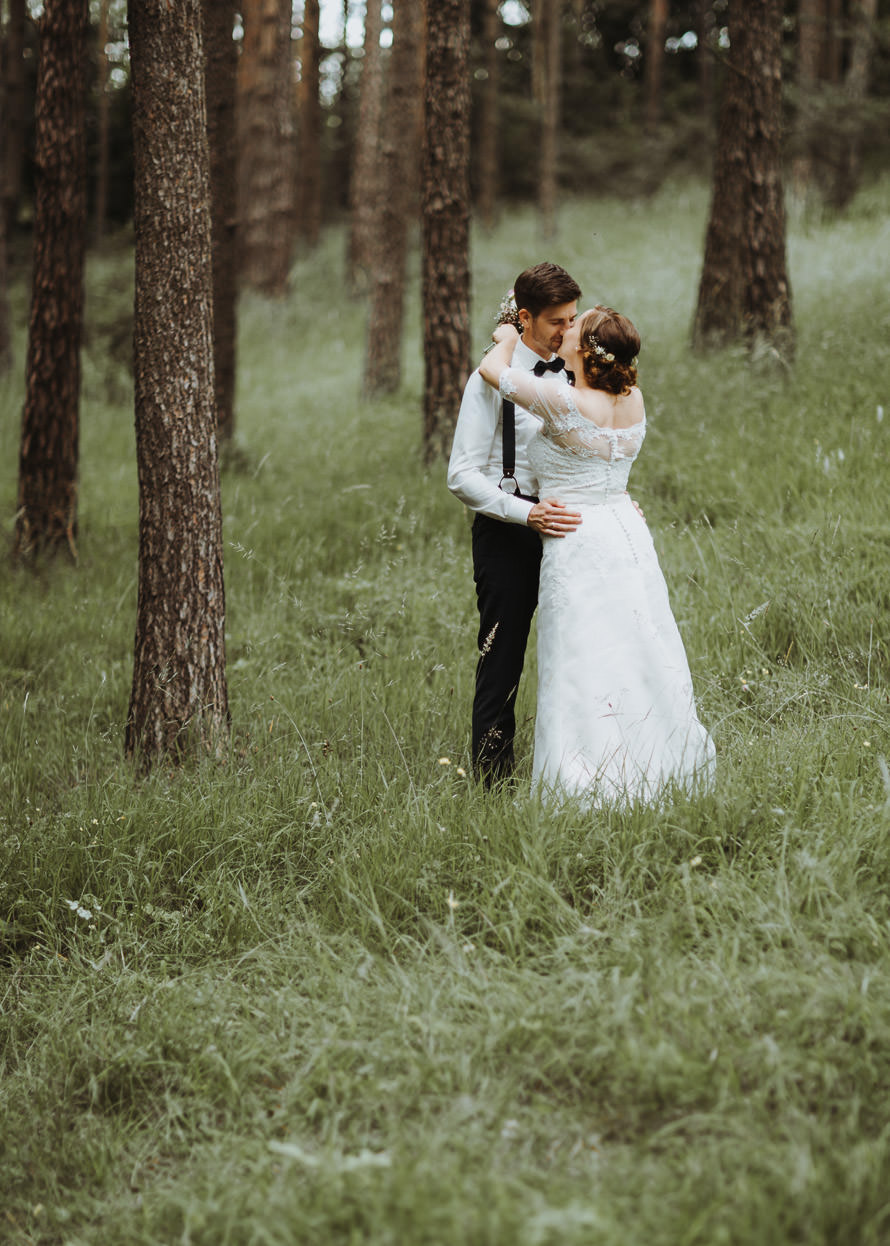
329	991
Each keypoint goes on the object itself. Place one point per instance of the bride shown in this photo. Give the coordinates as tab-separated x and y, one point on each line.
616	719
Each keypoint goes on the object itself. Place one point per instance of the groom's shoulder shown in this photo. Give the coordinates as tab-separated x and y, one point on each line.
476	387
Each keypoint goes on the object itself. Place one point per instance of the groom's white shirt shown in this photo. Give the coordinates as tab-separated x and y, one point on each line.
477	456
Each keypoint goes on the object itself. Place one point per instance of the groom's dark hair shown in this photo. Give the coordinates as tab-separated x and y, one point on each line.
545	285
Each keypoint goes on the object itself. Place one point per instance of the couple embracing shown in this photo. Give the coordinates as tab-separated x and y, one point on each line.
549	427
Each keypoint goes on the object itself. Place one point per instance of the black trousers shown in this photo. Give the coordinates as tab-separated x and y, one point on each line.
506	565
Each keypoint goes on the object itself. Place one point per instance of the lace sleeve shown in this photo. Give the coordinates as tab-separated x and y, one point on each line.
550	398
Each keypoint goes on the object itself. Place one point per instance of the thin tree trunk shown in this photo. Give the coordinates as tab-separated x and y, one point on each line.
705	56
179	701
547	58
309	129
397	204
810	40
102	126
489	135
848	169
221	68
46	518
446	218
653	64
14	127
833	45
5	341
265	145
363	190
744	290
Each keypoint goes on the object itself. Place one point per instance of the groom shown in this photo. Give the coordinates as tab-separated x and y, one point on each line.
509	520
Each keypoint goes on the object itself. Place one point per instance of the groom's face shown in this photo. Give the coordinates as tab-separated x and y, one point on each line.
543	333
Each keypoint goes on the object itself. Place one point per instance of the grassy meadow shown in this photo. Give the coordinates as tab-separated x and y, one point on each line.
331	992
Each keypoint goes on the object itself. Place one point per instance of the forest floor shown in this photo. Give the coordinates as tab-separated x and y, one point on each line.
330	992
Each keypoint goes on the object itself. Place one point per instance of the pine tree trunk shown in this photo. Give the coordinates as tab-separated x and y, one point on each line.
5	341
446	218
744	291
489	135
833	44
265	146
364	183
547	58
221	68
178	702
309	130
102	126
14	122
653	64
848	167
704	27
810	40
397	202
46	518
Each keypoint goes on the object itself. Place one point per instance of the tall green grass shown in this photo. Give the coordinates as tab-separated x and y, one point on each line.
329	991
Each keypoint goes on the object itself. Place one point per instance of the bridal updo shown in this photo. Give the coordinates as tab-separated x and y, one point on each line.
609	345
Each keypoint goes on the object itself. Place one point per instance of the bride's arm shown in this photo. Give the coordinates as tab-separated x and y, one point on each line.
500	355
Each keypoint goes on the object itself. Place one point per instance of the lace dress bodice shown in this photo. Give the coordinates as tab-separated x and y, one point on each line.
574	459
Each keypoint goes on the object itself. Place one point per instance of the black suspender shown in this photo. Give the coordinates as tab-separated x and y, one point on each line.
508	433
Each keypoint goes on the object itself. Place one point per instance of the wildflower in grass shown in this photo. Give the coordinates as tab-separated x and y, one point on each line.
77	907
695	861
460	770
444	761
452	903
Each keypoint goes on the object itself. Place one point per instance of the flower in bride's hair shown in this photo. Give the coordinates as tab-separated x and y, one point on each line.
508	312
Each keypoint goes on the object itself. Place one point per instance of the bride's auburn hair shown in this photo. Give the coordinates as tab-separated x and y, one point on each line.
609	344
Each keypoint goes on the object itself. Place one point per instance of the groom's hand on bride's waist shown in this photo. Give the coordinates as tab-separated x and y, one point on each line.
550	517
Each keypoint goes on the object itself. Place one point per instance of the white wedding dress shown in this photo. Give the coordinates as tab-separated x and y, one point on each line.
616	719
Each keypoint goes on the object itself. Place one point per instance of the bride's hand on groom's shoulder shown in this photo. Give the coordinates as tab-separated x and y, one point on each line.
504	333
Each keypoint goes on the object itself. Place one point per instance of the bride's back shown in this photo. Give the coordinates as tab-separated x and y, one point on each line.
610	410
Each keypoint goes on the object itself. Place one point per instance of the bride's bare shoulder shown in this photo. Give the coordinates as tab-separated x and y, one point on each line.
614	410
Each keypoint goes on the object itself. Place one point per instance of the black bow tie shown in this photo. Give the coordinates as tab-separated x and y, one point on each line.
555	365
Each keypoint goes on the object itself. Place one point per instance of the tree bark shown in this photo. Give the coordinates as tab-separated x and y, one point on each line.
810	40
546	70
363	187
833	43
704	27
309	129
5	341
46	518
488	146
744	290
265	145
221	68
446	217
397	202
102	126
848	165
178	702
14	123
654	62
